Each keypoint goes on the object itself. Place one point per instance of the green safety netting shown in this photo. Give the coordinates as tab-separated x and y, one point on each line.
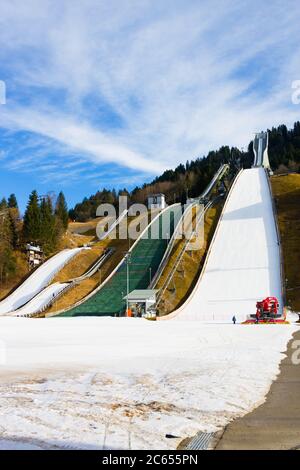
144	261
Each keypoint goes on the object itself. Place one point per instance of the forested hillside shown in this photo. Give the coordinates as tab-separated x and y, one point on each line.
193	176
284	148
44	223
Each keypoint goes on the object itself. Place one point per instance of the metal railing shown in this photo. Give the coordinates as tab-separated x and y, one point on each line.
107	253
220	173
181	254
170	246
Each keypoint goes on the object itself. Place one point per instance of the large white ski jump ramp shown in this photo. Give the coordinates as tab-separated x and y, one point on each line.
37	281
243	264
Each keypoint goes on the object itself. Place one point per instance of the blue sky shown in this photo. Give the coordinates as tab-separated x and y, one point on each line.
112	93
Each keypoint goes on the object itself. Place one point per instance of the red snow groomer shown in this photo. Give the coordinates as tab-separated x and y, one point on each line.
267	311
267	308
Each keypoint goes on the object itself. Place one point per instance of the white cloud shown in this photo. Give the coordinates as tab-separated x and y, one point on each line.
98	147
179	75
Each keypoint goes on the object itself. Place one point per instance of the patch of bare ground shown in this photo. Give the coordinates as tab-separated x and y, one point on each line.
286	190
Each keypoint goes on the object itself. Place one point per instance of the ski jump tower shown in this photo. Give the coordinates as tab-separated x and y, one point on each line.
260	148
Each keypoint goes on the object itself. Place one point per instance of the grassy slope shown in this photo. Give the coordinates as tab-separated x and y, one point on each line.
286	190
84	227
189	269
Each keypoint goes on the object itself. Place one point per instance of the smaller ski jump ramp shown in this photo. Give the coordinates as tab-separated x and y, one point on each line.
38	280
41	300
243	264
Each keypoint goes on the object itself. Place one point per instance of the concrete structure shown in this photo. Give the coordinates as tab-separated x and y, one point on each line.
260	149
141	302
156	201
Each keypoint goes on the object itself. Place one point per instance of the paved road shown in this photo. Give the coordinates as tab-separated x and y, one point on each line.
276	423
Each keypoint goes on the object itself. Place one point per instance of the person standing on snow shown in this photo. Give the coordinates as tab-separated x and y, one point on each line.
234	319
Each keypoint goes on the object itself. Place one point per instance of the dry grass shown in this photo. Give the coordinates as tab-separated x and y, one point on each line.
286	190
189	268
76	294
80	263
73	240
83	227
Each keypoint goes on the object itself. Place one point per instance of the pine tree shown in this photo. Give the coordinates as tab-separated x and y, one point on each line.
7	259
14	218
32	219
14	221
6	233
61	210
8	263
3	204
48	236
12	202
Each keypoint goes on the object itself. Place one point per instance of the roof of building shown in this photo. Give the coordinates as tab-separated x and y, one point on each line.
142	294
157	194
35	248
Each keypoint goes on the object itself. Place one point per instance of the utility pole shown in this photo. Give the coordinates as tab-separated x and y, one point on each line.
127	258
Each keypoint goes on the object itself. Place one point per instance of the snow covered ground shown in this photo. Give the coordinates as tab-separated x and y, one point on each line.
95	383
244	263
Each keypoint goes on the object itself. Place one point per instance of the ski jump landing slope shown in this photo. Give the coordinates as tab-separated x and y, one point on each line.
243	264
37	281
40	300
